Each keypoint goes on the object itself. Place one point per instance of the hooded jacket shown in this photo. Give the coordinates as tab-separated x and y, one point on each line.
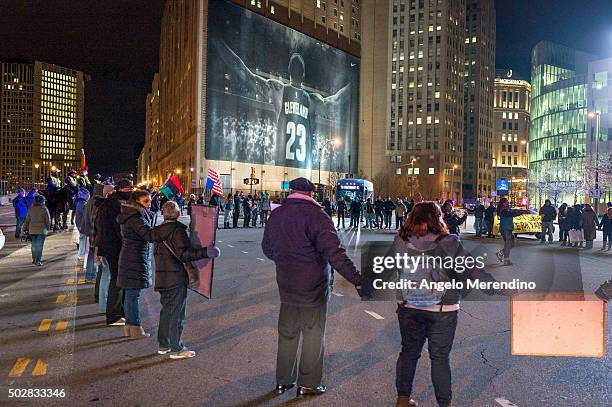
38	221
169	271
589	223
451	246
301	240
135	257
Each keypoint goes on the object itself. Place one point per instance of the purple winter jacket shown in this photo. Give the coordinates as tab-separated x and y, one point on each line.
301	240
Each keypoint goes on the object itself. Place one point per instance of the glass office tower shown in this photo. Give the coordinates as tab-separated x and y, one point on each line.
557	141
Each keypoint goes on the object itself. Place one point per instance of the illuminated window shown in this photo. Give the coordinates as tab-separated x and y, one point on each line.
432	171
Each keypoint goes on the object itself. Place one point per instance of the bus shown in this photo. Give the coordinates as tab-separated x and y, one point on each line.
355	189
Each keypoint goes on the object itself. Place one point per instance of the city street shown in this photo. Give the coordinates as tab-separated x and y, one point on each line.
53	337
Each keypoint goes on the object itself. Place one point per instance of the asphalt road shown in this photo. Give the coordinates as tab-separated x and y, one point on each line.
53	337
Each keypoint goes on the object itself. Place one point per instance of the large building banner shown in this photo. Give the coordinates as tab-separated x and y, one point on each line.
276	96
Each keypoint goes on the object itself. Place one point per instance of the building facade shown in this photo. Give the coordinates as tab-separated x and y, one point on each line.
41	116
557	140
148	154
598	166
478	107
426	96
183	146
511	126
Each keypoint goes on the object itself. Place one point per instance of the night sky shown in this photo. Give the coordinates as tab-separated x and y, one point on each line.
116	42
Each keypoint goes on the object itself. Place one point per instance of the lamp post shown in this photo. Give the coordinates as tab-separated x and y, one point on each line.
453	182
191	179
597	116
527	195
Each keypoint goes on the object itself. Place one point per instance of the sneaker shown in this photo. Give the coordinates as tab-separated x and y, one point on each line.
39	263
184	354
163	351
500	256
119	322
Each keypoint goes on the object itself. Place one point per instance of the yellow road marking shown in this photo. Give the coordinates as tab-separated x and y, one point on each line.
70	281
81	281
61	325
40	369
44	325
73	299
60	299
19	368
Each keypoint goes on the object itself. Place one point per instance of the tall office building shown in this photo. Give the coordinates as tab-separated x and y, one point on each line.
426	98
558	134
511	133
270	87
41	116
478	107
148	154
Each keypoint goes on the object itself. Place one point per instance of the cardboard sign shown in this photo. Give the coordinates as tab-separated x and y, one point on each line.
522	224
558	324
203	234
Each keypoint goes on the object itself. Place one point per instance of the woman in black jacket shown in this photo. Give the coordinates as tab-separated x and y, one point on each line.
172	250
452	219
135	258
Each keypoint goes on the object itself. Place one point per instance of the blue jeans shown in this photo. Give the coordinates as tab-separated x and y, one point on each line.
369	220
82	244
131	306
38	241
103	288
607	237
18	227
172	318
478	226
91	266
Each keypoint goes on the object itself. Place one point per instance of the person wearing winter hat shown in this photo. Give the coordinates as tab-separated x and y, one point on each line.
171	250
301	240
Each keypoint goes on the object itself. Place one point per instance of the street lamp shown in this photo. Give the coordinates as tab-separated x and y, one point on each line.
597	116
527	195
451	192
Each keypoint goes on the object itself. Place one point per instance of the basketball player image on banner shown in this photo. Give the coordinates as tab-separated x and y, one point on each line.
295	107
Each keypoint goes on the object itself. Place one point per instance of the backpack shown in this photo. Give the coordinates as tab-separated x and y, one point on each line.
421	296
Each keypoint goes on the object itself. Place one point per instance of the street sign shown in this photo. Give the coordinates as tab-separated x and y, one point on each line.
597	193
251	181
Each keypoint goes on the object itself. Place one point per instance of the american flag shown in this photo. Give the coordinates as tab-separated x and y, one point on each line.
213	182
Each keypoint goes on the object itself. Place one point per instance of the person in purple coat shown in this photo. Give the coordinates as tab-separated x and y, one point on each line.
301	240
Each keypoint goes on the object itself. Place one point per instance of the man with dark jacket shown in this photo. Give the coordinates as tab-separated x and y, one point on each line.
340	211
301	240
388	208
108	245
134	272
172	249
549	213
355	213
479	212
489	219
237	204
378	211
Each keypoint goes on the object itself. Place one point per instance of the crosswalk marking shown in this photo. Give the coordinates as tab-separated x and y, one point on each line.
374	314
244	252
505	403
229	245
19	367
60	298
81	281
73	299
44	325
40	369
70	281
260	259
61	325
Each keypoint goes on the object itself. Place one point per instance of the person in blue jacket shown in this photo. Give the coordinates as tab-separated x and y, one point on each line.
506	228
21	211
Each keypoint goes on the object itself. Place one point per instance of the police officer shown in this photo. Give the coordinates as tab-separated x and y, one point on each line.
54	183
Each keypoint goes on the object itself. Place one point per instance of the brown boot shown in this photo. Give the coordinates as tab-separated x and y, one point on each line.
136	332
405	401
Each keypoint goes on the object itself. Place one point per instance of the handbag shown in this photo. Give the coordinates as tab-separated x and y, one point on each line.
604	291
190	269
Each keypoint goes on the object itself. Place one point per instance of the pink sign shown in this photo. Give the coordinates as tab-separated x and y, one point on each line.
203	234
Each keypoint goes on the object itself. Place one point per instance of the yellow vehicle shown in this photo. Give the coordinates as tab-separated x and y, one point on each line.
528	224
